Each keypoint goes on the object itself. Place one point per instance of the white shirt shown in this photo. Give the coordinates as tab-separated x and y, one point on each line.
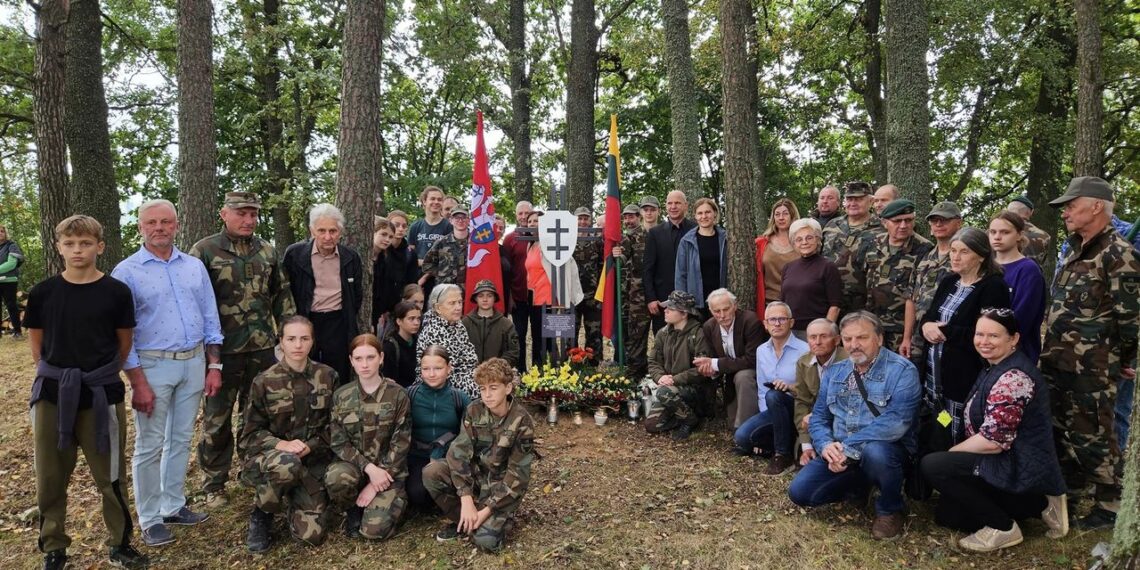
726	342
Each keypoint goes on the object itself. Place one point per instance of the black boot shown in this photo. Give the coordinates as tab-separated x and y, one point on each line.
352	519
260	524
55	560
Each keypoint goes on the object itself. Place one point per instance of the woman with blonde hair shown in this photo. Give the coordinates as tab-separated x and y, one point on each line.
774	251
1023	276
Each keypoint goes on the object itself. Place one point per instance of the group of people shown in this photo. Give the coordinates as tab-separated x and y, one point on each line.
893	361
333	422
880	359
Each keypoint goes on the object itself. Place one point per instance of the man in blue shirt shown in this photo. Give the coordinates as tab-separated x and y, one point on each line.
861	426
176	358
773	429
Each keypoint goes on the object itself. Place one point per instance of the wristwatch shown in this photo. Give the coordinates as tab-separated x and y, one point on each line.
214	366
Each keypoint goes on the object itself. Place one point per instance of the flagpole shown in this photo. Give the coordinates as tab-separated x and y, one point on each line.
619	347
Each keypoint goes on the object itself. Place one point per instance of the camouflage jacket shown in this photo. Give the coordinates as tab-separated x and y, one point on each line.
931	268
493	454
674	351
1038	247
251	288
632	266
1094	312
285	405
889	274
847	248
372	428
447	261
589	255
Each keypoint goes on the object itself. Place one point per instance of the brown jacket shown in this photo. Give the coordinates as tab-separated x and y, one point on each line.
747	335
807	388
674	351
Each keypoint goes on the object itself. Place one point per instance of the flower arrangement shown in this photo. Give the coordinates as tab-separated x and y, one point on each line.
606	389
580	357
562	383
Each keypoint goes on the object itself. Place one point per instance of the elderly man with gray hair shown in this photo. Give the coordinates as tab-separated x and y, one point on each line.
733	334
327	279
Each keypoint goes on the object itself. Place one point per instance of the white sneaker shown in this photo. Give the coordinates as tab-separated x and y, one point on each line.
1056	516
988	539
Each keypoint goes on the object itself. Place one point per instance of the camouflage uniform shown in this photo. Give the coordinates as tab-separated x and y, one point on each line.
370	429
447	261
635	310
673	353
253	298
589	256
889	273
285	405
489	461
1095	298
1038	247
847	247
924	282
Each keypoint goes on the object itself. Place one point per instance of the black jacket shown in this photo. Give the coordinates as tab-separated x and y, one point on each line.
961	363
298	265
661	258
391	272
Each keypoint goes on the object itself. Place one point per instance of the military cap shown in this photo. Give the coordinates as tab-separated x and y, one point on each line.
459	211
682	301
1024	200
948	210
484	285
1085	187
856	189
631	209
897	208
237	200
650	201
583	211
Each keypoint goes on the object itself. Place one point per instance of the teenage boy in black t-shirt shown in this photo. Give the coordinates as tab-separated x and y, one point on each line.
80	326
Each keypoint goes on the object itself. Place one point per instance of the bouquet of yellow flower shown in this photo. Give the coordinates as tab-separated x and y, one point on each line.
606	389
561	383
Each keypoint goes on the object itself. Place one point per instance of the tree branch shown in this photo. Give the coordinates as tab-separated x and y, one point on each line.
617	12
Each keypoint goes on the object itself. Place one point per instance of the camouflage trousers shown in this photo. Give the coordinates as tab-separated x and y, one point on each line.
283	483
437	480
216	448
589	313
679	403
1084	431
635	337
344	482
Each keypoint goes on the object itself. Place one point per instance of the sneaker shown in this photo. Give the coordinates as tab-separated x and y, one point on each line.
259	536
887	527
682	432
778	465
740	451
1097	519
55	560
352	519
667	425
157	535
450	531
216	499
989	540
186	517
1056	516
126	556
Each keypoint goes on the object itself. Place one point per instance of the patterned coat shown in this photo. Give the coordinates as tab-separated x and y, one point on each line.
846	246
890	271
491	457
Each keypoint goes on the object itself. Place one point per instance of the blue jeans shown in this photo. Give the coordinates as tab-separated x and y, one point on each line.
162	440
1123	411
771	429
882	467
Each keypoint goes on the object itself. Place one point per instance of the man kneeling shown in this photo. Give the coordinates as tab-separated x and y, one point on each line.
675	347
862	426
487	470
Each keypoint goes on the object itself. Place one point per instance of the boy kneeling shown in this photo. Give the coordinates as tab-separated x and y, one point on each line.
485	475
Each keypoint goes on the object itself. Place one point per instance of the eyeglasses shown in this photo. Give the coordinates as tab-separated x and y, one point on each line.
999	311
805	239
777	320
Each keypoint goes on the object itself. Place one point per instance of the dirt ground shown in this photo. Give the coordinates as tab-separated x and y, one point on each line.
600	497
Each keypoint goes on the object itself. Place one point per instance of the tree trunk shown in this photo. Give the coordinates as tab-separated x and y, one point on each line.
873	87
757	154
48	110
520	102
1049	126
358	170
1088	155
738	84
1126	534
908	117
267	75
88	135
197	146
580	132
682	99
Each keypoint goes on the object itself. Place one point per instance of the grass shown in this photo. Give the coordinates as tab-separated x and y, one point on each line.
600	497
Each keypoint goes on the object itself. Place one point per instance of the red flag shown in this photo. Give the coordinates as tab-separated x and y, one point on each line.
608	286
483	260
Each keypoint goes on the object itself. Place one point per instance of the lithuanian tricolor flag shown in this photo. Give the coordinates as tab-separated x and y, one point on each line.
608	292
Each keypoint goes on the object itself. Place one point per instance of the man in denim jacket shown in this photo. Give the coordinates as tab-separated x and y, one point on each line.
862	442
